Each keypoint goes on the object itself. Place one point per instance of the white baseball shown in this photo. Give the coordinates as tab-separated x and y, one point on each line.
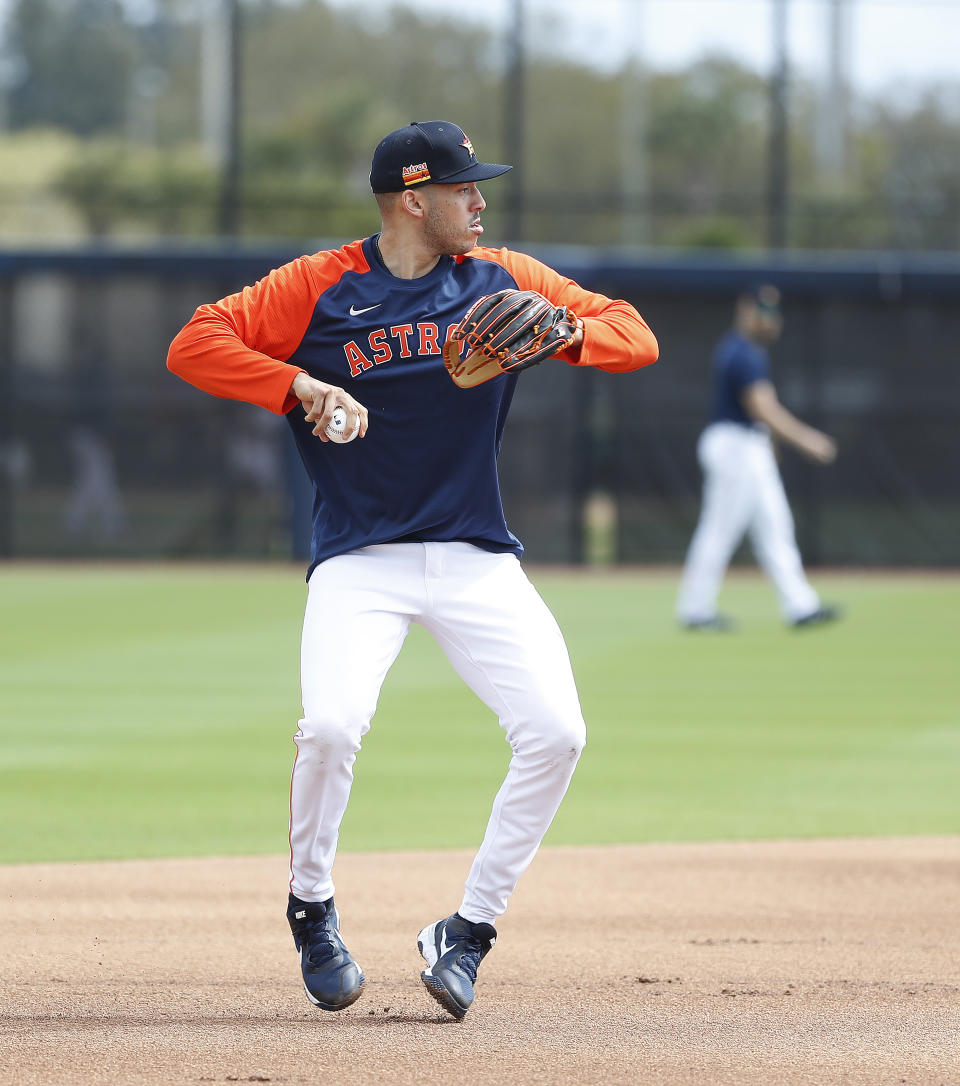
337	427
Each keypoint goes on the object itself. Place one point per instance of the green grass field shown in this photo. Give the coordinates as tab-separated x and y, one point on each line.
149	711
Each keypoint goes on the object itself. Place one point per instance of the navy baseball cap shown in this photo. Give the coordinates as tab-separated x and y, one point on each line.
765	296
427	153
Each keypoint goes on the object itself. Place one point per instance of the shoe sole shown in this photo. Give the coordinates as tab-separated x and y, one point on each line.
434	985
352	998
426	944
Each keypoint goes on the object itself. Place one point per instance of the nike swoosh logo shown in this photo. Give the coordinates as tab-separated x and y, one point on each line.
354	312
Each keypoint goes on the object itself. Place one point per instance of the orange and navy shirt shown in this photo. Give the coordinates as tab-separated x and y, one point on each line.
426	469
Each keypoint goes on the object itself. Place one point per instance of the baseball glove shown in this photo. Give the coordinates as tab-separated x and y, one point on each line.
506	332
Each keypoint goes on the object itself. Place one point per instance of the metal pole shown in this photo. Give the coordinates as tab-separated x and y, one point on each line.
7	411
514	110
230	211
634	182
778	167
834	110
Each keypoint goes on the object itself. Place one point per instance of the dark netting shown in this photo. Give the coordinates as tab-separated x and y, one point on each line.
104	453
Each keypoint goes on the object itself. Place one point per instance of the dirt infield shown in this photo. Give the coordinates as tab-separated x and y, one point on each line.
800	962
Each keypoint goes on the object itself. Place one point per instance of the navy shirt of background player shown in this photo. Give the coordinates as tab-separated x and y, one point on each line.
737	363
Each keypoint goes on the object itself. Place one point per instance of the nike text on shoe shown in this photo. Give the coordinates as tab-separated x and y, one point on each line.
453	949
332	979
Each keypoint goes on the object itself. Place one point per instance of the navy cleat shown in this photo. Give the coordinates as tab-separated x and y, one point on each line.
714	624
453	949
820	617
332	979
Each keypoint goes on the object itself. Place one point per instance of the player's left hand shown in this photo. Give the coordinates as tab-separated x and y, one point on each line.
507	332
319	401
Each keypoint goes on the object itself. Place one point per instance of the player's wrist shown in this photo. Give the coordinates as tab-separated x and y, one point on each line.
572	350
299	384
577	342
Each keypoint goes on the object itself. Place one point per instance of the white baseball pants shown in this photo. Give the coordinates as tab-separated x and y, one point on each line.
742	493
503	642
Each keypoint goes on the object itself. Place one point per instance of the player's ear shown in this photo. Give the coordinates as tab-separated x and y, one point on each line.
413	202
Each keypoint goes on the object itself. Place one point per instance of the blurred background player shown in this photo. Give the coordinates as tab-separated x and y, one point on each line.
742	489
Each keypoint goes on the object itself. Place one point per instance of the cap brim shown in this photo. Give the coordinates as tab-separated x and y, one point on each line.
477	171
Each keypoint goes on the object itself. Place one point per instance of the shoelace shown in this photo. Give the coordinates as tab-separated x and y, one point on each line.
320	946
469	958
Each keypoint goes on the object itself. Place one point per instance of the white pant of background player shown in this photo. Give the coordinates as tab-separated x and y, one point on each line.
742	494
503	642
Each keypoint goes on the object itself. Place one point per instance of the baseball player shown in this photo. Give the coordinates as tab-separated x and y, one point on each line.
742	490
408	525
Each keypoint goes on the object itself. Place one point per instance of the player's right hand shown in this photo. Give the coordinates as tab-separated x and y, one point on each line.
820	448
319	400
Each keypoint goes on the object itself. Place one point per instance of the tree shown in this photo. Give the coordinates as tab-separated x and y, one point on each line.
75	59
910	166
321	82
112	186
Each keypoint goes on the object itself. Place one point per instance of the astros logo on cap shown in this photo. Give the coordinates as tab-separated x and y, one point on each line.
413	175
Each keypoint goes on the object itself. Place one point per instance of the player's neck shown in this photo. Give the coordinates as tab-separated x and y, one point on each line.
404	259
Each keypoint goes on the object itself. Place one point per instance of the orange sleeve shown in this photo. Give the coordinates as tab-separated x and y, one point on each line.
238	348
615	337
